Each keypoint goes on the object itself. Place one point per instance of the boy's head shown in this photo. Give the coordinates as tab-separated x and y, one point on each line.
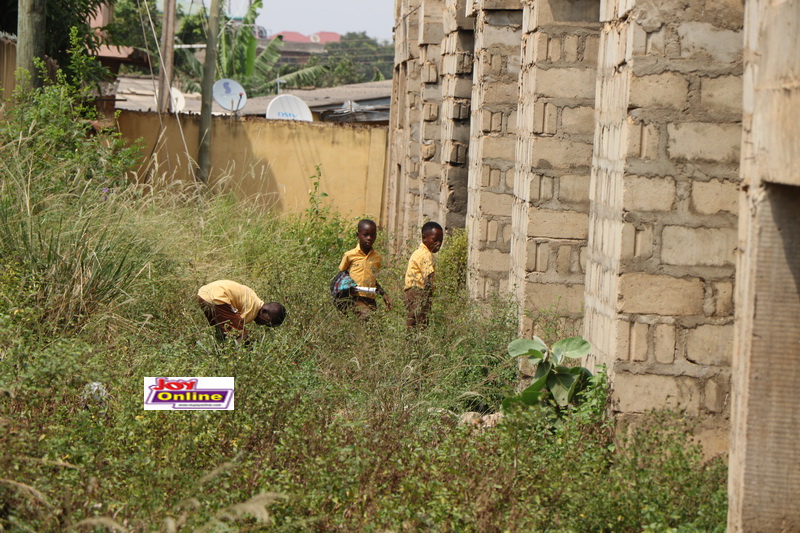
432	236
366	232
271	314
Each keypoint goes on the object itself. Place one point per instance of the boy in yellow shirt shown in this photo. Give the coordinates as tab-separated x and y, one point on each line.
362	264
419	276
229	306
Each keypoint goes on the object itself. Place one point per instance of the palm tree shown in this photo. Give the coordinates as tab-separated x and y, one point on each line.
239	59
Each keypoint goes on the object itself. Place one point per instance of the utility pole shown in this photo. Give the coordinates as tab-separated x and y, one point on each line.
31	36
209	72
167	57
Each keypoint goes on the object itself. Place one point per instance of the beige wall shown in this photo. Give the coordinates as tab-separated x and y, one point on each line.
273	161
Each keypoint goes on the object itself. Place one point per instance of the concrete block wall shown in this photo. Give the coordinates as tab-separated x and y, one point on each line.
431	35
662	228
550	220
403	188
498	34
457	59
764	472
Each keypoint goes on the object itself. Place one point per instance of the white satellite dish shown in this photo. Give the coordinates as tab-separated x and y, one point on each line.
289	107
229	94
177	100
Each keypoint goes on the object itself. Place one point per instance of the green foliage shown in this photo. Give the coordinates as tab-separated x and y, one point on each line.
552	381
136	23
61	18
357	58
238	58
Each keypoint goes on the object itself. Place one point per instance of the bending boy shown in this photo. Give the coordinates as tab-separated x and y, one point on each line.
229	306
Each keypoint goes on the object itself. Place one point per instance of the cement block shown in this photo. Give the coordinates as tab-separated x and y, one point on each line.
710	345
722	94
551	152
574	188
558	224
499	147
715	196
573	83
488	5
701	40
664	343
578	120
493	261
551	296
723	295
660	90
698	246
656	294
636	393
456	17
554	11
496	204
704	141
637	345
714	396
648	194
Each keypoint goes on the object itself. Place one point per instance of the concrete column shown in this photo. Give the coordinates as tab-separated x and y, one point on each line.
457	59
431	35
662	225
498	33
403	184
554	155
764	475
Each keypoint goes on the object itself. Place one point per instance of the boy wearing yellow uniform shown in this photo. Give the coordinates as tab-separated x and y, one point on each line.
419	276
229	306
362	264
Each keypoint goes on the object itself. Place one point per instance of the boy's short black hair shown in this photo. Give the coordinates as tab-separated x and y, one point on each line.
277	313
430	226
364	222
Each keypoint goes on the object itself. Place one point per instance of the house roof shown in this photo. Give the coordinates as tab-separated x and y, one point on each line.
137	93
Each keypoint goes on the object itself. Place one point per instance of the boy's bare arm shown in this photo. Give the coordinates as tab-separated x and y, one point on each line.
384	295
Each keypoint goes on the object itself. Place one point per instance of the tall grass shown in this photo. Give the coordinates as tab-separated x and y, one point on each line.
339	425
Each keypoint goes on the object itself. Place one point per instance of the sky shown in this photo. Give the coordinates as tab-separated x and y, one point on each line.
376	17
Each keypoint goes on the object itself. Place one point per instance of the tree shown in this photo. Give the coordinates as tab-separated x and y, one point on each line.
357	58
238	58
61	15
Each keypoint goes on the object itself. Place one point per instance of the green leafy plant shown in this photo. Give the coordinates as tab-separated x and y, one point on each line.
551	379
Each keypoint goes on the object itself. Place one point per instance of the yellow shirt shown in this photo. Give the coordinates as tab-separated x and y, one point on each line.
243	299
420	266
363	268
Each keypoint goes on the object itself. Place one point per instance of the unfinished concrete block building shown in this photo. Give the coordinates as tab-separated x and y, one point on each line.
592	150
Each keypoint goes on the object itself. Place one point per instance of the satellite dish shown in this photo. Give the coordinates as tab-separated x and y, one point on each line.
289	107
177	100
229	94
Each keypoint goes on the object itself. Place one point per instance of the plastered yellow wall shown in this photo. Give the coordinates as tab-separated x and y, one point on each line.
272	161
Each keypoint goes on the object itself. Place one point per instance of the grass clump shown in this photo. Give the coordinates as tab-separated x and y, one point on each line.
338	425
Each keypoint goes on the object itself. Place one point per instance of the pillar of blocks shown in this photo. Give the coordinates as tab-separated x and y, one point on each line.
431	34
456	82
764	474
550	220
662	228
403	188
498	33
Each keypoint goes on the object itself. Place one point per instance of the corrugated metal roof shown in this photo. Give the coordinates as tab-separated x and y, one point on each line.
137	94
